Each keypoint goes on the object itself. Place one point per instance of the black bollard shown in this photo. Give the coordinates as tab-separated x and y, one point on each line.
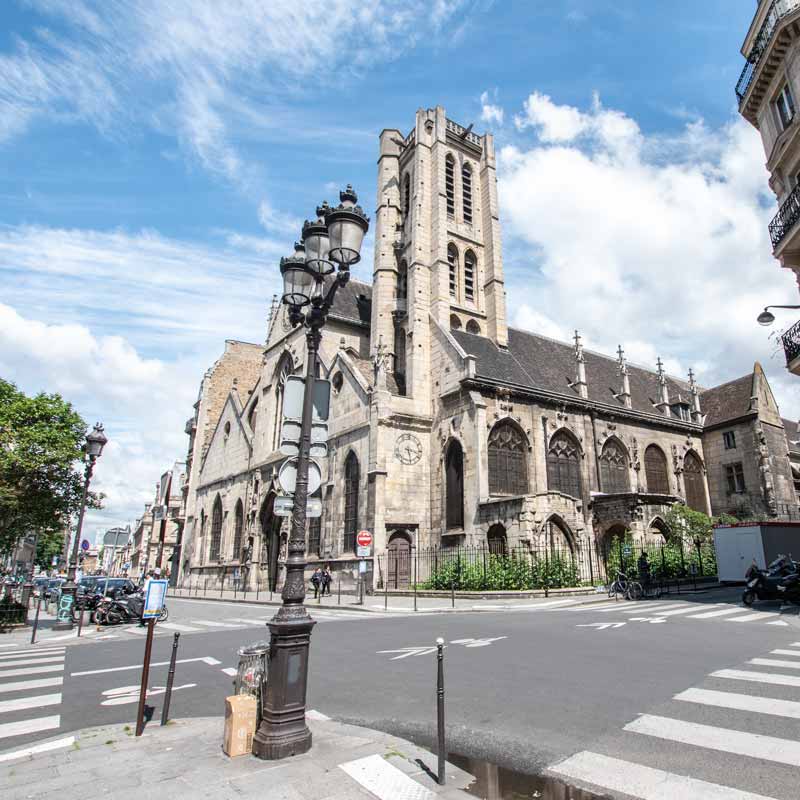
80	624
440	776
170	679
36	620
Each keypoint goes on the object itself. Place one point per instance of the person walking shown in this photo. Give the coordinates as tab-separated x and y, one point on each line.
316	581
327	579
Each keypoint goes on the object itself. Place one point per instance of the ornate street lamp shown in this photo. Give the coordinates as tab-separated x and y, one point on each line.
766	317
335	237
95	442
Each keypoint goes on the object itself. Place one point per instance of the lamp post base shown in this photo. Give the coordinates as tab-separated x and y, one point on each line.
283	731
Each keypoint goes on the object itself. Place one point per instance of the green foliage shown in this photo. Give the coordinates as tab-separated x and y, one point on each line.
41	440
668	561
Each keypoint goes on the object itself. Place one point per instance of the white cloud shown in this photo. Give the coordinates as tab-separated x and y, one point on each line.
656	242
490	111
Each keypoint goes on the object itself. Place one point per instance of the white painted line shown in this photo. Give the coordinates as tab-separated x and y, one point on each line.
58	744
752	617
11	644
646	783
13	673
53	651
659	607
317	715
173	626
229	671
39	683
757	677
785	653
212	624
21	703
205	659
687	609
778	622
725	740
741	702
774	662
256	621
72	635
384	780
29	726
721	613
32	660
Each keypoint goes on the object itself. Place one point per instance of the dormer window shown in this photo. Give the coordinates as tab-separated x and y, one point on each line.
784	105
682	411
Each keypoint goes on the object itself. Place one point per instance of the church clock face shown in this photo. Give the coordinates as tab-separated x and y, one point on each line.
408	449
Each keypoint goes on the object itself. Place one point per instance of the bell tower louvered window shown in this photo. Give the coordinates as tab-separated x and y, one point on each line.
469	276
655	470
466	192
508	470
564	465
452	262
450	184
614	468
694	483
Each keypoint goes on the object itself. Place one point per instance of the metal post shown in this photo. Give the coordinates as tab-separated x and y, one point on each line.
546	571
415	578
148	649
339	598
591	569
36	620
699	556
453	593
385	591
440	710
170	679
80	624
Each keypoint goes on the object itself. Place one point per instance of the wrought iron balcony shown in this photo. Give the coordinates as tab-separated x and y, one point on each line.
785	219
791	343
777	11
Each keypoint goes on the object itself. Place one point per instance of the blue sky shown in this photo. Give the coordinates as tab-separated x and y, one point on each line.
158	157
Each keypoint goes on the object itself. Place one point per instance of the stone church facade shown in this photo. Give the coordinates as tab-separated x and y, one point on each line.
447	427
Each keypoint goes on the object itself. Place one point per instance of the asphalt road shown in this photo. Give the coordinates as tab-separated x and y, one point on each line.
524	689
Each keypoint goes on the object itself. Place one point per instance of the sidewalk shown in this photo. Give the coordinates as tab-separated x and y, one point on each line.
44	633
184	759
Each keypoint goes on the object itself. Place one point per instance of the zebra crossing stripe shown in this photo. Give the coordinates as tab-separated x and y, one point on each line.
659	607
752	617
647	783
774	662
677	611
785	652
29	726
33	660
52	651
724	740
23	703
13	673
39	683
58	744
213	624
721	613
741	702
173	626
775	679
259	621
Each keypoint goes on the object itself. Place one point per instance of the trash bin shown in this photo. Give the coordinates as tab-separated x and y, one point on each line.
251	675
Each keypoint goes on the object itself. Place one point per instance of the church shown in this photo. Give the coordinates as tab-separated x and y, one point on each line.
447	426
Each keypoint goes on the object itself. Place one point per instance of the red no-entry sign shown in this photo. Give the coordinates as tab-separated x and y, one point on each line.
364	539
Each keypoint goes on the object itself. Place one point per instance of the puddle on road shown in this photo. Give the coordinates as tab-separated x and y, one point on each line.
497	783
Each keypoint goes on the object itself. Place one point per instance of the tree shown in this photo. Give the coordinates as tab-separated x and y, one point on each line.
41	475
694	525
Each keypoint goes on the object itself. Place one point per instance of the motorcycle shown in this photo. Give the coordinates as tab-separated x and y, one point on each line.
88	601
780	581
118	609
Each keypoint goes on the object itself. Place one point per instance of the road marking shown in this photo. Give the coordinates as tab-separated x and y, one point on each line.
721	613
675	612
660	607
477	642
643	782
651	620
410	651
501	606
58	744
601	626
230	671
317	715
173	626
21	703
752	617
125	695
54	652
774	662
32	660
785	652
384	780
72	635
39	683
741	702
212	624
778	622
29	726
253	621
206	659
757	677
12	644
13	673
725	740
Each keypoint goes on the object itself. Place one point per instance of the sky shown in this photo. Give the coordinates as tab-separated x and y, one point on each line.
157	157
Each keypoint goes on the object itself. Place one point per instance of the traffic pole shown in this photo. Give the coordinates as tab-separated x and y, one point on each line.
440	709
80	623
148	649
170	679
36	620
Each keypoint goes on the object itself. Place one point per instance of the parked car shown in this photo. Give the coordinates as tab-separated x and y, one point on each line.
110	586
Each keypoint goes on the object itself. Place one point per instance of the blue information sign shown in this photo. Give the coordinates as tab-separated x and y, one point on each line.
156	594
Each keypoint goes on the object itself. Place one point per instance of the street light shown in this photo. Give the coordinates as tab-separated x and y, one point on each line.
336	236
766	317
95	441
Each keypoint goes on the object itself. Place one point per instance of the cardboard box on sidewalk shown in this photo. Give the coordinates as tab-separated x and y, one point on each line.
240	725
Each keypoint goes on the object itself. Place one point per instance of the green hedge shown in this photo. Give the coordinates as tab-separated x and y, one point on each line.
673	559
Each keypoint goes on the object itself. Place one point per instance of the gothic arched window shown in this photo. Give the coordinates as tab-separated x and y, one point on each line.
402	281
216	530
314	535
564	465
614	468
473	327
238	529
351	481
283	371
508	469
455	323
253	416
497	540
466	192
452	262
201	546
655	470
406	196
469	276
454	485
450	184
694	483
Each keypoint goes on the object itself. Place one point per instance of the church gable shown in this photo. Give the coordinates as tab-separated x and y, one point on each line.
229	449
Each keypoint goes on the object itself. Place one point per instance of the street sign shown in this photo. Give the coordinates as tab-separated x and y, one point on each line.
626	550
154	599
362	567
287	476
284	505
85	544
363	552
293	398
364	539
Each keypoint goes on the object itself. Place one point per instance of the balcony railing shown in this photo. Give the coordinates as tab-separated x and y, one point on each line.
791	342
785	219
777	10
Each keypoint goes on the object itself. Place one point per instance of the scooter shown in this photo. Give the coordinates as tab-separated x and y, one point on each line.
128	608
780	581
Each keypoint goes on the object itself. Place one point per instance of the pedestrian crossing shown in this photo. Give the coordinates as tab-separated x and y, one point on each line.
29	705
736	736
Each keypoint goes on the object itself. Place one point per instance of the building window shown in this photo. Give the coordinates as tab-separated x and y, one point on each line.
337	382
564	465
450	184
508	469
469	276
406	196
682	411
734	475
454	486
655	470
216	530
314	536
253	416
351	481
614	468
694	483
452	262
455	323
402	281
400	359
202	542
497	540
466	192
784	104
473	327
238	529
729	440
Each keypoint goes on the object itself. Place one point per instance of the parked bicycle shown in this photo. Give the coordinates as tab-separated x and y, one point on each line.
626	587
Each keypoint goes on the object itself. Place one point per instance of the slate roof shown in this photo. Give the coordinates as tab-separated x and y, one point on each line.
541	363
792	435
353	302
728	401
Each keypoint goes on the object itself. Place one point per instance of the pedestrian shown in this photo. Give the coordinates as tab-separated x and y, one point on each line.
643	566
316	581
327	579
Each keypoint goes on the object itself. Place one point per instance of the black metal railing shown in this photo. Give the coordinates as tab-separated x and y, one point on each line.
777	10
791	342
786	218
